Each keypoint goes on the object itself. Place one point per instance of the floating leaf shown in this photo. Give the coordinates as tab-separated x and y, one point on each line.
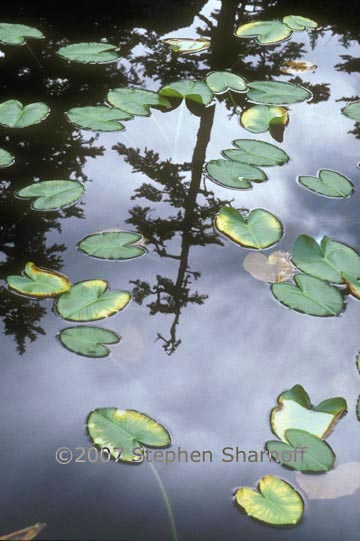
277	267
256	229
27	534
220	82
344	480
125	433
266	32
294	410
115	244
329	183
52	194
316	455
136	101
88	341
233	174
352	110
352	283
187	45
296	22
277	93
255	152
6	159
275	502
89	53
16	34
98	118
40	283
325	261
260	118
14	115
196	91
91	300
295	67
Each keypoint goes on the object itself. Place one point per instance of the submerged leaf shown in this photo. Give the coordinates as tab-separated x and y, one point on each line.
266	32
98	118
222	81
52	194
275	502
6	159
88	341
352	110
16	34
125	433
295	67
254	152
277	267
187	45
113	245
89	53
329	183
297	22
40	283
14	115
352	283
260	118
277	93
136	101
344	480
233	174
26	534
196	91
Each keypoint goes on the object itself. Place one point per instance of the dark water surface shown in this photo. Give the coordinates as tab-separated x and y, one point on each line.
206	349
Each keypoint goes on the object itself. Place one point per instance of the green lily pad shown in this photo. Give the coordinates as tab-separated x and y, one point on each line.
303	452
277	93
266	32
125	433
89	53
14	115
325	261
220	82
296	22
260	118
187	45
310	296
16	34
113	245
255	152
275	502
352	283
98	118
352	110
294	410
234	175
329	183
136	101
256	229
196	91
39	283
91	300
52	194
6	159
88	341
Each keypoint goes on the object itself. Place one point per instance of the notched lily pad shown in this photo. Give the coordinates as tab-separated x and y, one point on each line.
98	118
6	159
266	32
187	45
293	67
277	93
39	283
299	23
235	175
352	110
89	53
52	194
136	101
328	183
220	82
13	114
196	91
116	245
277	267
254	152
16	34
344	480
88	341
260	118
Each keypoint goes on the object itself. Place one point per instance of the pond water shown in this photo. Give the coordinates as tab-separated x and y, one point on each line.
205	348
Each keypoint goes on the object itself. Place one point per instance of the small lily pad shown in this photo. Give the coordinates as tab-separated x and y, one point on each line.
329	183
52	194
196	91
220	82
254	152
88	341
98	118
277	267
16	34
136	101
14	115
257	229
39	283
233	174
296	22
275	502
277	93
293	67
260	118
120	245
6	159
89	53
187	45
125	433
352	283
352	110
266	32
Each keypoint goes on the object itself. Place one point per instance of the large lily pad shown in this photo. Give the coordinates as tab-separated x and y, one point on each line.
277	267
277	93
196	91
310	296
299	23
14	115
187	45
91	300
136	101
89	53
88	341
52	194
125	433
39	283
6	159
329	183
113	245
98	118
260	118
233	174
16	34
326	260
275	502
266	32
255	229
352	110
220	82
254	152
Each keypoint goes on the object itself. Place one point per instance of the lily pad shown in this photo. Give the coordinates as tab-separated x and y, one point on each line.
344	480
187	45
16	34
254	152
266	32
296	22
125	433
88	341
277	93
6	159
277	267
293	67
233	174
89	53
255	229
326	260
310	296
196	91
91	300
329	183
14	115
39	283
52	194
113	245
275	502
352	283
136	101
352	110
260	118
220	82
98	118
316	455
